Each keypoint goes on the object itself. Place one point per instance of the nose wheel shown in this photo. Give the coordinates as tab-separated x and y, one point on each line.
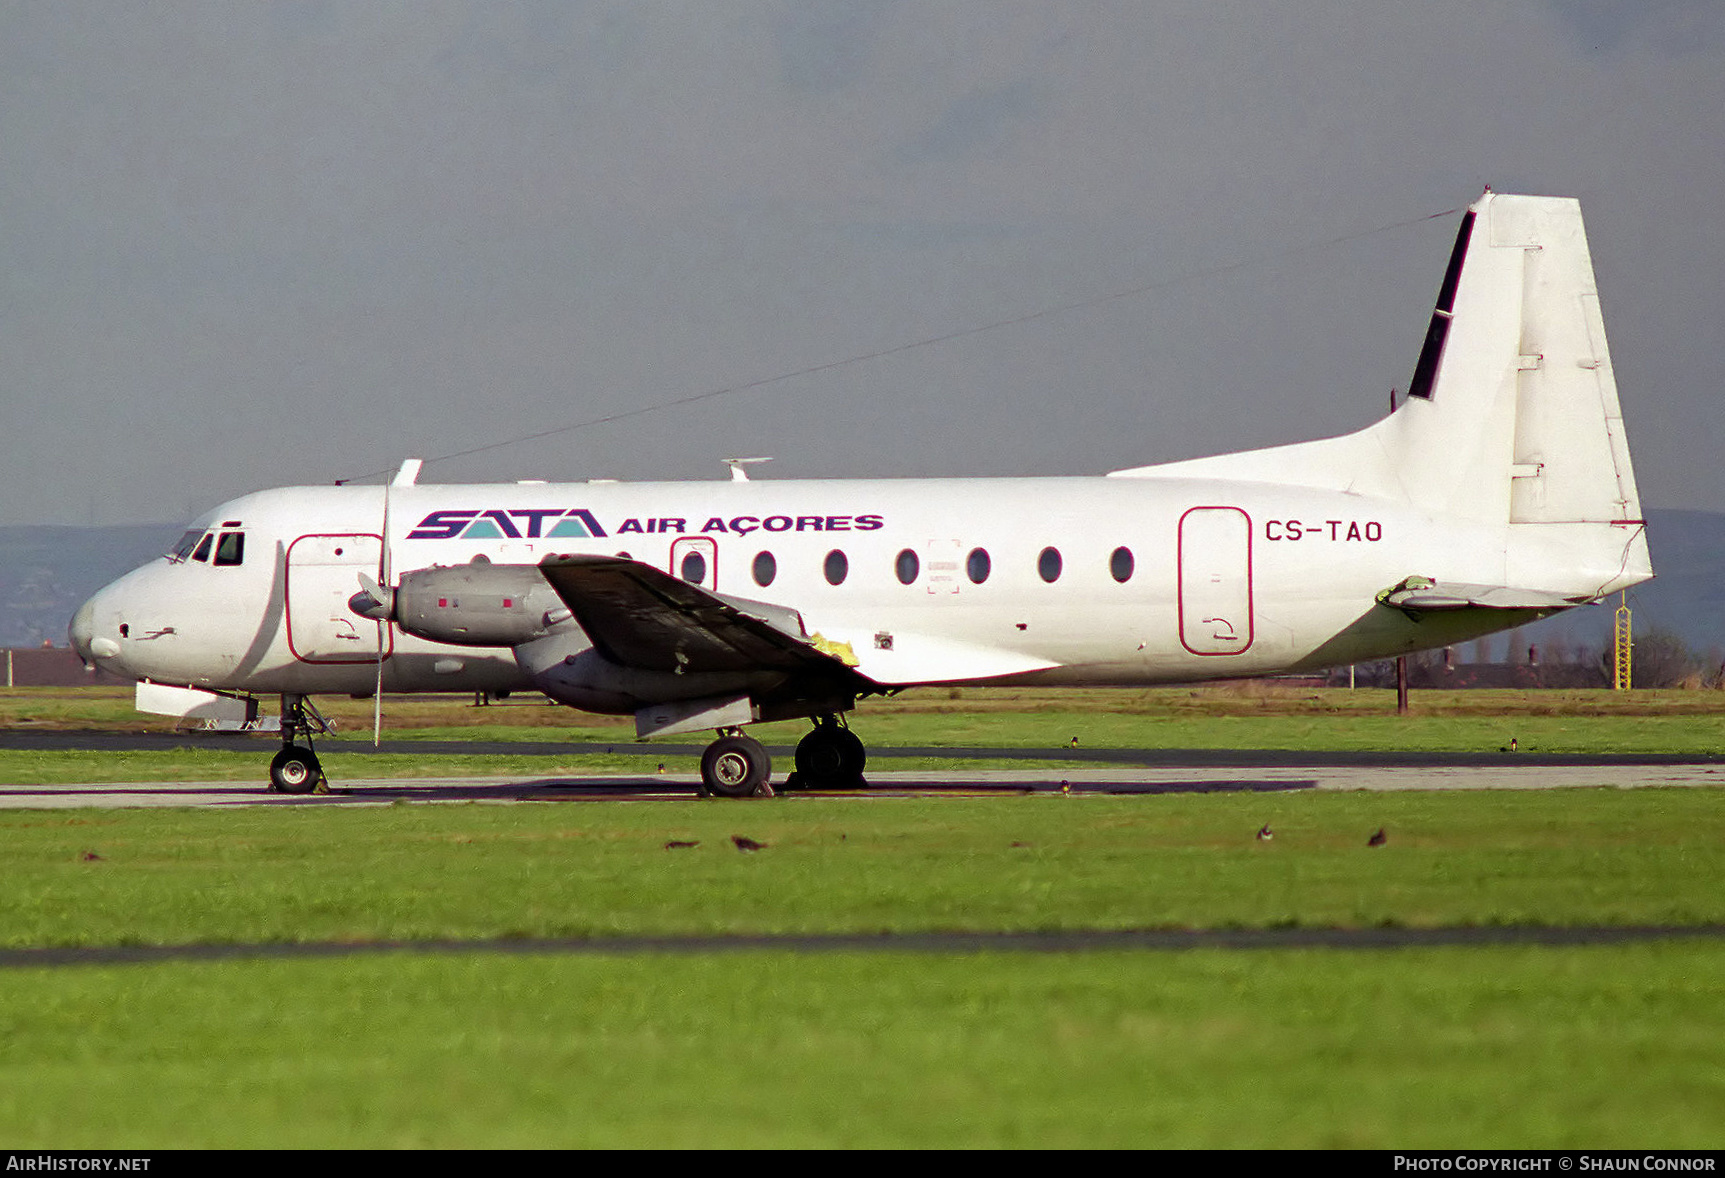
296	769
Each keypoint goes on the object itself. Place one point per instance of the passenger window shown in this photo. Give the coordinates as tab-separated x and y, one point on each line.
906	566
1048	565
1120	565
694	568
231	548
977	565
837	568
203	552
766	568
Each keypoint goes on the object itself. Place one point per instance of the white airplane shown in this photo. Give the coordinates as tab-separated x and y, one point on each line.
1498	491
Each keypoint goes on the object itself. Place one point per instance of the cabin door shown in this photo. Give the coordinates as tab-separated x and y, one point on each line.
322	573
1215	580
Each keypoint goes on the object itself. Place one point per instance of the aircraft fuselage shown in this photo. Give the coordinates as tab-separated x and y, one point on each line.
1052	580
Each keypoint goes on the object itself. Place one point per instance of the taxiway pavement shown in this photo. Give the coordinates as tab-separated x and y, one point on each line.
1439	773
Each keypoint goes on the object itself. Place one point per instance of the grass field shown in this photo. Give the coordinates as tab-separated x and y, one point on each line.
1570	857
1243	716
1480	1049
1475	1048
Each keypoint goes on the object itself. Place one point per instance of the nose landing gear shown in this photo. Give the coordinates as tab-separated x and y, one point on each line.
296	769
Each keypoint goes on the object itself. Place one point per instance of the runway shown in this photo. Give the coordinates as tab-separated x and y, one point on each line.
265	744
1081	781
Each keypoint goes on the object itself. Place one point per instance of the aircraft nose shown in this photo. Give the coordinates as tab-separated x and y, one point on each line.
82	629
90	645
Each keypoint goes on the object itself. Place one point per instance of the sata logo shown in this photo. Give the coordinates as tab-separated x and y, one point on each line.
508	524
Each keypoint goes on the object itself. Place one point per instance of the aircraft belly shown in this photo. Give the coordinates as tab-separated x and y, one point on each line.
412	667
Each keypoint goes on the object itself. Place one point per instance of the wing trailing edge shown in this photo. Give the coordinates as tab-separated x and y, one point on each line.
640	616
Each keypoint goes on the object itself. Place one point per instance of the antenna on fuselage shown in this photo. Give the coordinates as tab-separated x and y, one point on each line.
739	467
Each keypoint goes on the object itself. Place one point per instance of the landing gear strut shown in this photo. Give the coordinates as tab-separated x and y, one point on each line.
830	757
736	766
296	769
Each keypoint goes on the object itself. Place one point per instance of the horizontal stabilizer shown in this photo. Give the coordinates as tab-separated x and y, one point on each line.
1422	594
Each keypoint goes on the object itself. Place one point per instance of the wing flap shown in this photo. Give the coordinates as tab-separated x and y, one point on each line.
640	616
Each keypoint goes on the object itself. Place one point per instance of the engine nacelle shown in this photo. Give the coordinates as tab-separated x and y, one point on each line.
565	667
478	604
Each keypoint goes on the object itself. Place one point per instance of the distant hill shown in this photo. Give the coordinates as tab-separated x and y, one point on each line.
47	572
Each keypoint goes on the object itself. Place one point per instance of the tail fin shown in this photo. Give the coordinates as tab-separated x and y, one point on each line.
1512	416
1513	410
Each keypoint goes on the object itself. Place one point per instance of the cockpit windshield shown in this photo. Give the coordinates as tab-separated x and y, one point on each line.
187	542
230	547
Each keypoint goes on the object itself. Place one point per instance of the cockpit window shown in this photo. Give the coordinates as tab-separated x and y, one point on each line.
187	542
231	548
203	550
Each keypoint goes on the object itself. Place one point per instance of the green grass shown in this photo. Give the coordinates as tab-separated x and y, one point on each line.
1472	1048
1023	863
1250	715
1480	1049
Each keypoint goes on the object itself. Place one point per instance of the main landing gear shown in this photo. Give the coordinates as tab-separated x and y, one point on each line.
830	757
296	770
736	766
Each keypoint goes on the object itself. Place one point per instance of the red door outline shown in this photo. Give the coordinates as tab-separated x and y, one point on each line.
310	610
1206	628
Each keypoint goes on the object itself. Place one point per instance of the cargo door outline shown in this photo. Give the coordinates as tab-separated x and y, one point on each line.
322	573
1215	581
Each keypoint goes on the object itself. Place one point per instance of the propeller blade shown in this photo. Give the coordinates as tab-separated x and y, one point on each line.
386	599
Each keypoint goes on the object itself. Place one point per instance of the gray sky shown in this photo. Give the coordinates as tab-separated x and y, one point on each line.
247	245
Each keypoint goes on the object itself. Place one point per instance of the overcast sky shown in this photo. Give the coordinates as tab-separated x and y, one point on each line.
246	245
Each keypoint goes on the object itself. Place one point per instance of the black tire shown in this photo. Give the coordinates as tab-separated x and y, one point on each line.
295	770
831	757
735	767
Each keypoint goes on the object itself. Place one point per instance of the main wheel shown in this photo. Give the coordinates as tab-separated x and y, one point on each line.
295	770
735	766
831	757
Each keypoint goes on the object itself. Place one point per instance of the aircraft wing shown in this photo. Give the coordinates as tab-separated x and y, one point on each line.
639	616
1422	594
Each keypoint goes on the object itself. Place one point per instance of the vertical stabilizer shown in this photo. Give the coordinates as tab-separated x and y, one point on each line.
1513	416
1513	411
1511	420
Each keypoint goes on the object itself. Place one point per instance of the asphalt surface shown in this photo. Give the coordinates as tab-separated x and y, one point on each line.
1079	780
1145	771
266	743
